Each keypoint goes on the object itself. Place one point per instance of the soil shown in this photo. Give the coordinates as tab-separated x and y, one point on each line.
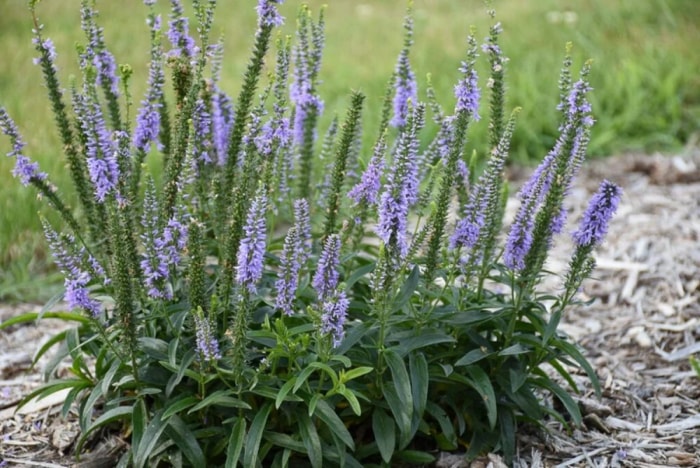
639	332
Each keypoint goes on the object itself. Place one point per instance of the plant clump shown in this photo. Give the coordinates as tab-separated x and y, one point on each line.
250	306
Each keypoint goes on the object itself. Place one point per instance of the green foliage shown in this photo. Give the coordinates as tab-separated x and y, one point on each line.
208	336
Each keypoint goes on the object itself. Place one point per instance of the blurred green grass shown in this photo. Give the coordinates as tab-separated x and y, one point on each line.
645	75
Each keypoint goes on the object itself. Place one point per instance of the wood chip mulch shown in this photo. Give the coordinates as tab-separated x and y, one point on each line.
639	332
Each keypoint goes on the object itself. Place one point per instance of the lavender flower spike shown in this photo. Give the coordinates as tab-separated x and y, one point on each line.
290	266
333	317
207	344
467	91
268	14
252	248
406	90
601	208
24	169
367	188
326	278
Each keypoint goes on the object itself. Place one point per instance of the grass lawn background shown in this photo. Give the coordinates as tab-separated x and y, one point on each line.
645	74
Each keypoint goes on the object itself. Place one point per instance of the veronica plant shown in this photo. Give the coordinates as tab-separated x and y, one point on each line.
223	322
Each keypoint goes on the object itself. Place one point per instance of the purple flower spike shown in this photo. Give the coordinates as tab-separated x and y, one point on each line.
601	208
207	344
520	237
78	268
24	170
401	188
289	271
467	91
302	221
222	123
252	248
178	33
406	90
163	247
367	189
335	311
326	278
268	14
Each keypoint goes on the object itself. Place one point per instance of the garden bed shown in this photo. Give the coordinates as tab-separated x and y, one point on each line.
643	325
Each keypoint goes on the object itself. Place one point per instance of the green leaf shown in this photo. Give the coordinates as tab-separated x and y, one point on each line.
181	371
407	289
179	404
475	355
420	381
308	370
106	381
149	440
88	405
70	399
413	343
443	420
399	396
568	402
235	443
155	348
357	274
355	373
115	414
333	422
514	350
254	437
284	391
57	338
572	351
481	383
416	457
220	398
695	364
309	436
53	387
384	432
350	397
185	440
506	422
139	421
32	316
313	403
285	441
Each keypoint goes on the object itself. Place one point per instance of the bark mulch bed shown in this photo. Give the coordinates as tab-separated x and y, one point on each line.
643	325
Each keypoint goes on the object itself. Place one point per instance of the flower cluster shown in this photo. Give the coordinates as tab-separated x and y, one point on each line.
601	208
252	249
326	278
206	342
25	169
268	16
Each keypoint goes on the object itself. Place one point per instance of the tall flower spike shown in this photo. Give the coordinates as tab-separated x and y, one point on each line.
367	189
467	90
325	280
334	313
406	87
162	246
24	170
178	33
594	224
288	276
148	118
402	186
99	147
268	14
252	247
78	269
96	52
302	221
206	343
